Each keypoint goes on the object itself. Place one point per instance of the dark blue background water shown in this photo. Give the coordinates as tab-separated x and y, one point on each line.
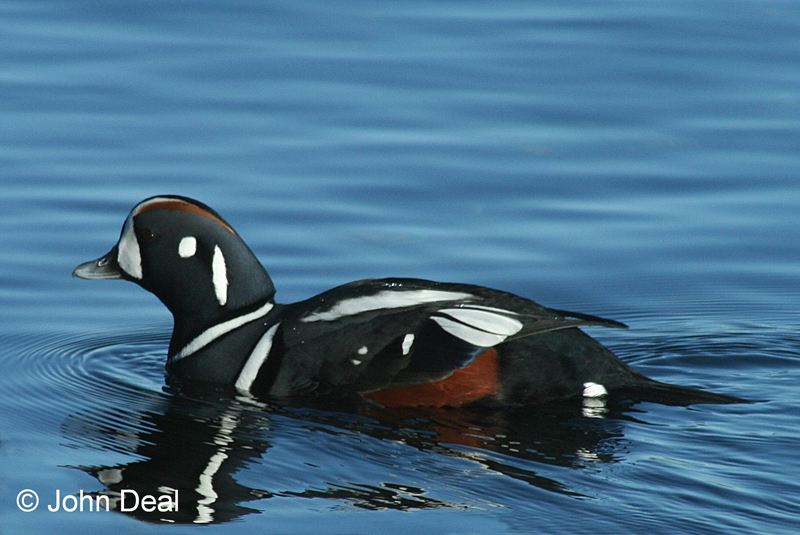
638	160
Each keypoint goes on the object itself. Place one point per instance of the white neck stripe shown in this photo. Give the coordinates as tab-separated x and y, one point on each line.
256	361
212	333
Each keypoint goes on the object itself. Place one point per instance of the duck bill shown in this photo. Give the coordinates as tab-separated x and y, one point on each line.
105	267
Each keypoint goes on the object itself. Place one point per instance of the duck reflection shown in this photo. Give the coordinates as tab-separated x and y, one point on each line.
199	448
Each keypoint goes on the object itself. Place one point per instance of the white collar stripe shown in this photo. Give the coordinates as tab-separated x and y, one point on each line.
256	361
386	299
212	333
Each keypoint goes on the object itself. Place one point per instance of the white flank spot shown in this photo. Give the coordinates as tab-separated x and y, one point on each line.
408	341
220	276
384	300
211	334
255	361
355	362
363	350
485	320
129	257
594	390
187	247
468	334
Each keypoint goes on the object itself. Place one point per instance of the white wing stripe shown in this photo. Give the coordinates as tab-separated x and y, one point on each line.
491	309
256	360
485	320
468	334
386	299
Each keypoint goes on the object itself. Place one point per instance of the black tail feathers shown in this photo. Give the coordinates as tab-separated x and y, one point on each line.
667	394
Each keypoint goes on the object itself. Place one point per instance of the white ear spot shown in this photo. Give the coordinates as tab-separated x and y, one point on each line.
219	274
187	247
362	350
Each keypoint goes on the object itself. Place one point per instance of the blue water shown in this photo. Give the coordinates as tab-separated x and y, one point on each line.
638	160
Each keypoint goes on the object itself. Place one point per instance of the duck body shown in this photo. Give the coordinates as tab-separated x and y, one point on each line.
396	341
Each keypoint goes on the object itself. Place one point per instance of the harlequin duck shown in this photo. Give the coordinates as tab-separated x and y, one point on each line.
395	341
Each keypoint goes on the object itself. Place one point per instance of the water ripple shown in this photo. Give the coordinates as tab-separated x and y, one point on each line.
62	371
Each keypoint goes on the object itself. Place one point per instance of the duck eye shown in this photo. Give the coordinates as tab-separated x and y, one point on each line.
144	235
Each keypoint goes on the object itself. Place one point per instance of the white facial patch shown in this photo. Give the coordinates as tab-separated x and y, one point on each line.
187	247
129	256
387	299
219	274
479	327
408	341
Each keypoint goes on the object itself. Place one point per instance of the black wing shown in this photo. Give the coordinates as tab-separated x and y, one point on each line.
375	334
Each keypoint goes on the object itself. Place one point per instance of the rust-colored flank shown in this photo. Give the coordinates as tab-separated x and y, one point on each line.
479	379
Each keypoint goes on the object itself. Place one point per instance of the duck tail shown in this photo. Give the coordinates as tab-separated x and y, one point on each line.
667	394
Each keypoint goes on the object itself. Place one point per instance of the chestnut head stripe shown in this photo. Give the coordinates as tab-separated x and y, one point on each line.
164	203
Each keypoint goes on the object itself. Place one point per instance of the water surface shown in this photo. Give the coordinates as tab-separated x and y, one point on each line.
636	160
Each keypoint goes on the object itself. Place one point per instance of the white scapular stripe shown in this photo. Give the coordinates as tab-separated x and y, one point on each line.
484	320
255	361
408	341
469	334
594	390
385	299
212	333
129	257
187	247
219	273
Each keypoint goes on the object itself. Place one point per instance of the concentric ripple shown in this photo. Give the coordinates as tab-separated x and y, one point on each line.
60	372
